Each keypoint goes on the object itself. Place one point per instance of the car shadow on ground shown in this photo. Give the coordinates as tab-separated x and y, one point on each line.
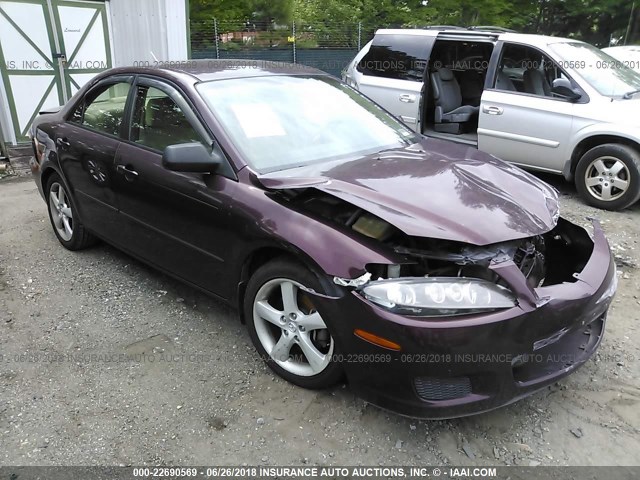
219	313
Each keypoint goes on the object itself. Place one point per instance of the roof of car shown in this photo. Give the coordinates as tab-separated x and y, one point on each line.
207	70
474	33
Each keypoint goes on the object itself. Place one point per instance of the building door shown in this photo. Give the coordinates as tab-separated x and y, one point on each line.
48	50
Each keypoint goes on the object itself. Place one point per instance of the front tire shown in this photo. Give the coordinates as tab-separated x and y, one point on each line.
63	215
608	176
285	327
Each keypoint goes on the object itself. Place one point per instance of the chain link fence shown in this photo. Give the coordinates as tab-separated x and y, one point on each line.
326	46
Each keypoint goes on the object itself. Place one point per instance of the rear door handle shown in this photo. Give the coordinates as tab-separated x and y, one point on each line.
128	172
407	98
63	143
492	110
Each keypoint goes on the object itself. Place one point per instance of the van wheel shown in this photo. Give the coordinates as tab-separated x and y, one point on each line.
608	176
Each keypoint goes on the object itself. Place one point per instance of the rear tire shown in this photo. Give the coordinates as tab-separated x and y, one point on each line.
608	176
286	329
63	216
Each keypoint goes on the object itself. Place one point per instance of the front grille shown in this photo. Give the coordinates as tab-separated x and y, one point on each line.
431	388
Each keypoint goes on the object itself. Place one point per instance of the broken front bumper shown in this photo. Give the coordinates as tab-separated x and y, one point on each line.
456	367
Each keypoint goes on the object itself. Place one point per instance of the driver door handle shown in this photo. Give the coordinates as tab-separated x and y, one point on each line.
492	110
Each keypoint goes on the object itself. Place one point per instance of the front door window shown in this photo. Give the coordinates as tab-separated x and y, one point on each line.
527	70
159	122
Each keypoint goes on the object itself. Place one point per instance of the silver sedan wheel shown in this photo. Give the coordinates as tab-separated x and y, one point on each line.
292	333
607	178
61	213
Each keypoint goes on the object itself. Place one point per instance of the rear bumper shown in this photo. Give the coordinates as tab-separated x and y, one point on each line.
452	368
36	172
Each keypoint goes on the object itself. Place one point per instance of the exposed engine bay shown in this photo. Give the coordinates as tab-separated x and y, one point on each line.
548	259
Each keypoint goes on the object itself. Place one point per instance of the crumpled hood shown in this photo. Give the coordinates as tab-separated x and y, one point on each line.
436	189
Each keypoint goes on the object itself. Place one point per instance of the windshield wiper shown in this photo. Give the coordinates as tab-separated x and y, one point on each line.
630	94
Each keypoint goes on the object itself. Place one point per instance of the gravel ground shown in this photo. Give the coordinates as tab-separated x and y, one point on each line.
67	397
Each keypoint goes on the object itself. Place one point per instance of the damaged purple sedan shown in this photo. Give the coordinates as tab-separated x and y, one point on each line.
438	280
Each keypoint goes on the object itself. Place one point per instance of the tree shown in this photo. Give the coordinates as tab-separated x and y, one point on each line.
502	13
595	21
223	10
278	11
272	11
328	11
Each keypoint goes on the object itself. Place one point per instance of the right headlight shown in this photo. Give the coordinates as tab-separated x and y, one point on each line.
438	296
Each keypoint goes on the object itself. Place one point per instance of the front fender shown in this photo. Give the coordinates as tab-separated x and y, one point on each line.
336	251
609	129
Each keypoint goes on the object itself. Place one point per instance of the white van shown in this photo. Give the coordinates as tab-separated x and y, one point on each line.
551	104
628	55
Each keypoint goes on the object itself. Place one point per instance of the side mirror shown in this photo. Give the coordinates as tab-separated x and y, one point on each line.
563	88
191	157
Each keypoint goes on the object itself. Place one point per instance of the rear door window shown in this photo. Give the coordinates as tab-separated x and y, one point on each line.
461	54
402	57
103	108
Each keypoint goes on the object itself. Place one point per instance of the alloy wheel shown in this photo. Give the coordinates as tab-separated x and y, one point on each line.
61	212
607	178
290	329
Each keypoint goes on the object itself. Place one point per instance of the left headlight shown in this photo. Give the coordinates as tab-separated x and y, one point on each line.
438	296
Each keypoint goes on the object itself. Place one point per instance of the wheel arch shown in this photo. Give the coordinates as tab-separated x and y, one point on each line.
46	175
48	170
590	142
262	255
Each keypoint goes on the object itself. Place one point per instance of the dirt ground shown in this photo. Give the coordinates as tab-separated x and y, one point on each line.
67	397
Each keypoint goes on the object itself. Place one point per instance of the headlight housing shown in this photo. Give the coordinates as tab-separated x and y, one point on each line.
438	296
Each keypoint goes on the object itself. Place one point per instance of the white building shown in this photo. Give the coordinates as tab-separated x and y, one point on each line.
50	48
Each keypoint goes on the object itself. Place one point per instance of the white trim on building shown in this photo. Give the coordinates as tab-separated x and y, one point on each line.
121	32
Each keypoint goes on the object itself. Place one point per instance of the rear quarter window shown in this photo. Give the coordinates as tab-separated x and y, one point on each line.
402	57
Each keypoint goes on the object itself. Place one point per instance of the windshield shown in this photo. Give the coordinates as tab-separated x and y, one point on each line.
604	73
280	122
630	56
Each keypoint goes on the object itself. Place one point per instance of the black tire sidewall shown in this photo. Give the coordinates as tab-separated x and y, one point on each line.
282	268
625	154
